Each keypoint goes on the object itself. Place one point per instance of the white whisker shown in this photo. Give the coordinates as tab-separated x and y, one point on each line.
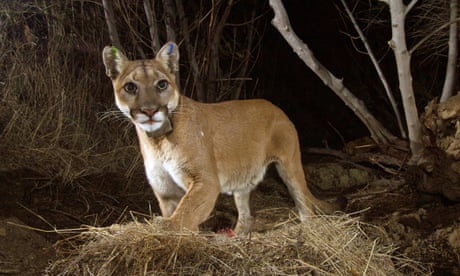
112	116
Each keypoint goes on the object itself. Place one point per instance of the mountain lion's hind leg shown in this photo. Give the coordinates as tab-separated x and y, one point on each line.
245	220
293	176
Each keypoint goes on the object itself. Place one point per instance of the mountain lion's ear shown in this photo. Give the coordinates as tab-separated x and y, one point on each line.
169	56
114	60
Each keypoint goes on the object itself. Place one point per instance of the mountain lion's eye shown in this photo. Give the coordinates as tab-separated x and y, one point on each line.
130	88
162	84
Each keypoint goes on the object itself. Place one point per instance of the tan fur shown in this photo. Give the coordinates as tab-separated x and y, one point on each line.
195	151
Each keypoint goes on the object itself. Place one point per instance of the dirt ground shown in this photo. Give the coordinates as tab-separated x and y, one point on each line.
35	213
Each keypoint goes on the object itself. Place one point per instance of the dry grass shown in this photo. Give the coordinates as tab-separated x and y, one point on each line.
338	245
54	88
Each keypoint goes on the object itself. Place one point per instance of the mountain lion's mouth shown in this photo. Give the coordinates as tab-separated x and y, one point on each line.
151	121
150	124
155	127
157	117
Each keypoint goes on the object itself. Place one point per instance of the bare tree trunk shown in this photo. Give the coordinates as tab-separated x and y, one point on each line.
398	12
195	71
281	22
110	19
216	36
449	82
170	19
153	28
378	69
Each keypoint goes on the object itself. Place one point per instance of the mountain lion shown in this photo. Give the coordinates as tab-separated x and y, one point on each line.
193	151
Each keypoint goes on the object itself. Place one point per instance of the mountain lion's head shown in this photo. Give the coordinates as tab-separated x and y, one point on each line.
145	90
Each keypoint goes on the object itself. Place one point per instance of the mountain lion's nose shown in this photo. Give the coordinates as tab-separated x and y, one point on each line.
149	111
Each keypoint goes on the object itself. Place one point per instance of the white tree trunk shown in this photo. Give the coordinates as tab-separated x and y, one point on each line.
398	13
449	82
281	22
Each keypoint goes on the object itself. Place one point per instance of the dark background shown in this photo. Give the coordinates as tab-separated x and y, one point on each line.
53	74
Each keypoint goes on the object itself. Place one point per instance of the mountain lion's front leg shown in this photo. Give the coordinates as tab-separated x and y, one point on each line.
166	191
195	206
168	203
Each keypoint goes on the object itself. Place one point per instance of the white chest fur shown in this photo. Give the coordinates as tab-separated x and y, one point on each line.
163	170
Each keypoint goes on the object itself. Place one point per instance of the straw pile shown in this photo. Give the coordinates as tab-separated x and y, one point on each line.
338	245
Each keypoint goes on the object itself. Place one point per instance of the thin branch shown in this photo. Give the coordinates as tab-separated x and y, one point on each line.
378	69
455	21
352	40
410	6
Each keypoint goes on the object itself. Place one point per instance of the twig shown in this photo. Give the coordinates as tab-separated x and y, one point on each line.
37	215
374	158
328	151
67	215
378	69
410	6
370	257
366	192
428	36
57	231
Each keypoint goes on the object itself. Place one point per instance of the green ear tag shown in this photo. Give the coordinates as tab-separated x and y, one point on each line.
115	50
